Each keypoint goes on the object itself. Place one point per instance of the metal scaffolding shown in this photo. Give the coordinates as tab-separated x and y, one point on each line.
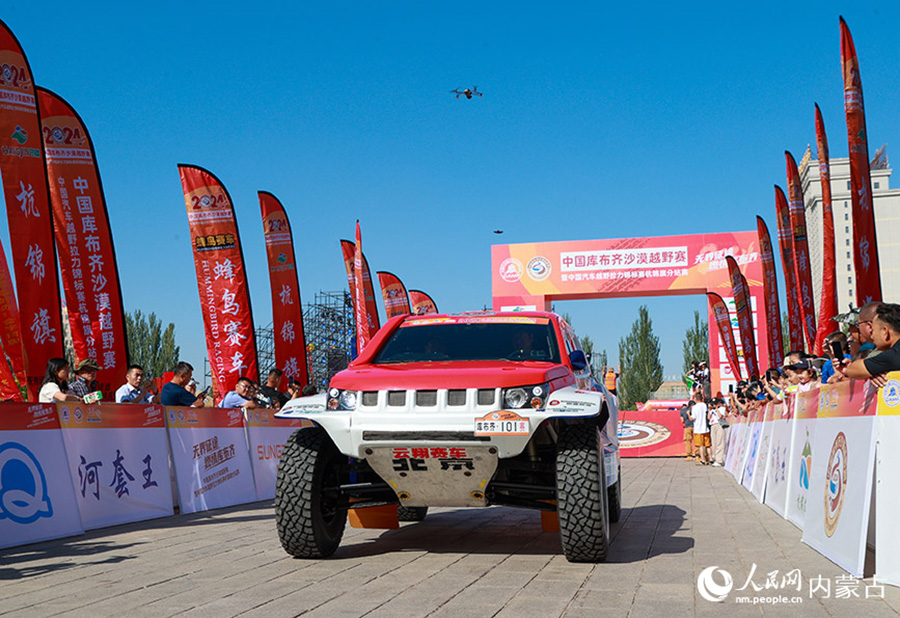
328	327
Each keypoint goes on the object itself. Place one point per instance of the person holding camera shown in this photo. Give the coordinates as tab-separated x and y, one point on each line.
886	335
176	393
243	395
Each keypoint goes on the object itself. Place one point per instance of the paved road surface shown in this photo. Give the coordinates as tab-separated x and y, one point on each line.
679	519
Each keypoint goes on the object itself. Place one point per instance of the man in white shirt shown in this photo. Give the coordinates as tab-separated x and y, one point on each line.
134	390
700	416
717	432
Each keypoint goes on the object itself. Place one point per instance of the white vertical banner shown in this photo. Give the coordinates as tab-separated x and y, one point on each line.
209	452
119	461
840	483
735	452
778	470
887	499
751	447
760	474
37	499
267	436
803	435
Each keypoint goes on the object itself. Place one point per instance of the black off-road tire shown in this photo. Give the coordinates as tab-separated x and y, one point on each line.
310	523
615	498
411	513
581	496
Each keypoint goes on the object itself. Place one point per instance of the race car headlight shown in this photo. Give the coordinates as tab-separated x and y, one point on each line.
525	397
341	400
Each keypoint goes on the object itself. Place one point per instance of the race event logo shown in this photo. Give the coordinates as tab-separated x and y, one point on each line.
836	483
538	268
634	434
23	487
891	393
710	589
511	270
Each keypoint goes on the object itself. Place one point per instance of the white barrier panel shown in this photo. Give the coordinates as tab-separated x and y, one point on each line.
805	410
267	436
840	484
778	470
37	500
751	447
761	471
735	452
887	501
119	461
209	452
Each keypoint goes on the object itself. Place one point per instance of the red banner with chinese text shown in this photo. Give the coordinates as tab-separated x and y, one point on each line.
865	248
393	292
10	336
723	322
363	334
348	248
287	311
786	244
221	279
828	305
770	294
87	257
801	250
741	294
28	212
421	303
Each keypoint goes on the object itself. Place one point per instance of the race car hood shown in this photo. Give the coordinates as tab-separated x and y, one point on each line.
457	374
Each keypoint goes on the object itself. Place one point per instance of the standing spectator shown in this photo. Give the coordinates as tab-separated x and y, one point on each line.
886	334
85	378
242	396
294	389
705	384
174	393
690	451
270	389
56	386
610	378
700	416
134	390
717	425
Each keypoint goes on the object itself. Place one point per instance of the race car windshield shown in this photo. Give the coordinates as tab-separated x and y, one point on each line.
471	342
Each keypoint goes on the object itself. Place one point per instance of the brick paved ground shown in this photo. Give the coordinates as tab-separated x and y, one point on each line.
679	518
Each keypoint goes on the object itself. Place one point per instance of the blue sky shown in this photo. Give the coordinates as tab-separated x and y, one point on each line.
597	122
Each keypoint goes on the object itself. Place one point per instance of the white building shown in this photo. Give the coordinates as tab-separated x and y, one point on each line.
887	227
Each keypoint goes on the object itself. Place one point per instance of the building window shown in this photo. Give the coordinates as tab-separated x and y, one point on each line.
848	242
848	187
845	204
846	216
876	185
847	229
848	267
850	280
848	255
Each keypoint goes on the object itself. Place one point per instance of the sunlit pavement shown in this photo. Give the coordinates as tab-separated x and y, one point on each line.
679	519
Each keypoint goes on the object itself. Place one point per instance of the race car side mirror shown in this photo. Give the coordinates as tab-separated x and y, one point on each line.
579	363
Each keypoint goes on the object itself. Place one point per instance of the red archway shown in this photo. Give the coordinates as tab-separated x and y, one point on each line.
533	275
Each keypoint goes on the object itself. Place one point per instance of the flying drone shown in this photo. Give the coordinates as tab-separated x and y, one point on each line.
468	93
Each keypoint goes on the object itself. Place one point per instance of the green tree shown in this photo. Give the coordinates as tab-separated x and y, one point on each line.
639	359
696	342
149	345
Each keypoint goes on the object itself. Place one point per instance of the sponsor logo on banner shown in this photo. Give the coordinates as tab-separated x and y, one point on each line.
511	270
23	487
891	393
65	415
538	268
633	434
171	416
835	483
78	414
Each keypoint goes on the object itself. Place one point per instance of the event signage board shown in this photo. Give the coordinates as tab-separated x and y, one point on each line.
754	435
209	452
840	481
736	450
803	435
778	468
394	295
84	242
267	436
119	461
37	498
887	500
651	434
422	303
760	474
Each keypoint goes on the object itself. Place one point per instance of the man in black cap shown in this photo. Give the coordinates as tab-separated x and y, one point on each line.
86	378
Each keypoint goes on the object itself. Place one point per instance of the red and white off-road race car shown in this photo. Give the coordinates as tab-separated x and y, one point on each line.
467	410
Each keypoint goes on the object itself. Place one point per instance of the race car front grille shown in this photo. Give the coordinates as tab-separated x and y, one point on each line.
370	398
426	398
396	398
456	397
485	396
